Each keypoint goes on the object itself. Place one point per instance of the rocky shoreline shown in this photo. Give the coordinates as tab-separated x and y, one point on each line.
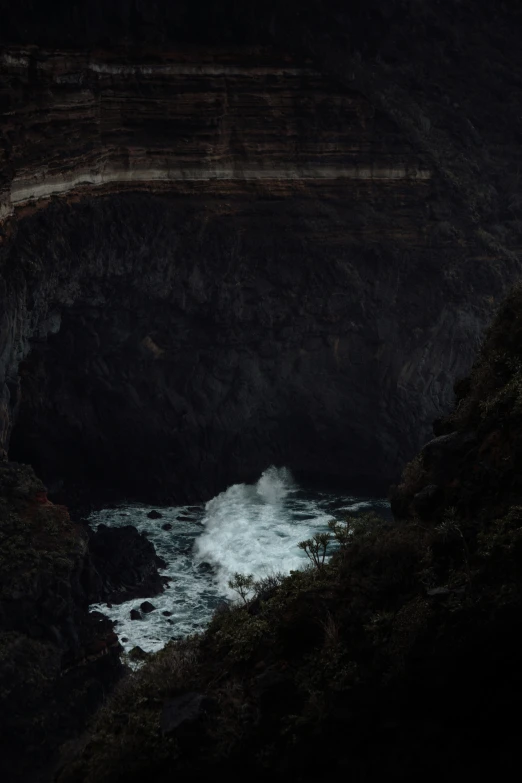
58	660
398	658
247	235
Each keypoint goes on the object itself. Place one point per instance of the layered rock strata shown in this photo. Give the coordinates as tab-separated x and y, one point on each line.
292	286
77	123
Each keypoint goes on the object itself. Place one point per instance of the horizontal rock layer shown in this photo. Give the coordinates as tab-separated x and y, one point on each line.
292	285
220	117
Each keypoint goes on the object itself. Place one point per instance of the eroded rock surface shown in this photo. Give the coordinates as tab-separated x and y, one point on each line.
282	293
126	565
289	258
57	660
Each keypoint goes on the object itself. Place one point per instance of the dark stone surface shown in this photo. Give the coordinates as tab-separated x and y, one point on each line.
146	607
168	345
137	654
282	359
125	563
154	515
57	659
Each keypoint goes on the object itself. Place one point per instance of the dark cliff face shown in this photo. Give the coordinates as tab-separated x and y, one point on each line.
56	660
171	354
472	465
213	259
298	283
398	659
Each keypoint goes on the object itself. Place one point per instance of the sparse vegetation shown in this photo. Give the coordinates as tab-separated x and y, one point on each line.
243	584
315	548
382	622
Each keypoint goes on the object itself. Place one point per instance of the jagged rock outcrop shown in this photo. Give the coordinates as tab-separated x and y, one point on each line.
126	565
473	463
57	660
292	286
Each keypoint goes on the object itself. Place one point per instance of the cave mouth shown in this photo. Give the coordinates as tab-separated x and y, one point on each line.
166	363
170	350
108	411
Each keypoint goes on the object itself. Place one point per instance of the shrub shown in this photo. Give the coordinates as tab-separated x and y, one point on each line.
243	584
315	548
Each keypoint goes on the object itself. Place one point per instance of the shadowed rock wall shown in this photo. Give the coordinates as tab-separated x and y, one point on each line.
295	283
170	351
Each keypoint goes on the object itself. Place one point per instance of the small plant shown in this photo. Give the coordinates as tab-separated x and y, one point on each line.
243	584
315	548
341	531
267	585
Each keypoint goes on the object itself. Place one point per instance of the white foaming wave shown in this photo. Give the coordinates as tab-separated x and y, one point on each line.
275	485
249	530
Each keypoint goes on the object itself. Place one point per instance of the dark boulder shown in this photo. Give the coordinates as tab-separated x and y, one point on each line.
146	607
57	659
137	654
154	514
125	564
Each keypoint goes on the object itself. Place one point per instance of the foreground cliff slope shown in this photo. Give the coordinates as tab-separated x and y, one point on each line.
399	657
57	660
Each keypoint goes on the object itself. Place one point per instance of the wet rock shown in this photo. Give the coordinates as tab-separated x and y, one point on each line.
205	567
125	565
57	658
124	639
166	526
146	607
135	615
166	614
154	514
137	654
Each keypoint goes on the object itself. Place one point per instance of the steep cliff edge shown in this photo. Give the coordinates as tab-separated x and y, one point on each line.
283	251
57	661
297	283
399	658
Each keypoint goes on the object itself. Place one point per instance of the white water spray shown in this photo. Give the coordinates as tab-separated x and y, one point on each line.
249	528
